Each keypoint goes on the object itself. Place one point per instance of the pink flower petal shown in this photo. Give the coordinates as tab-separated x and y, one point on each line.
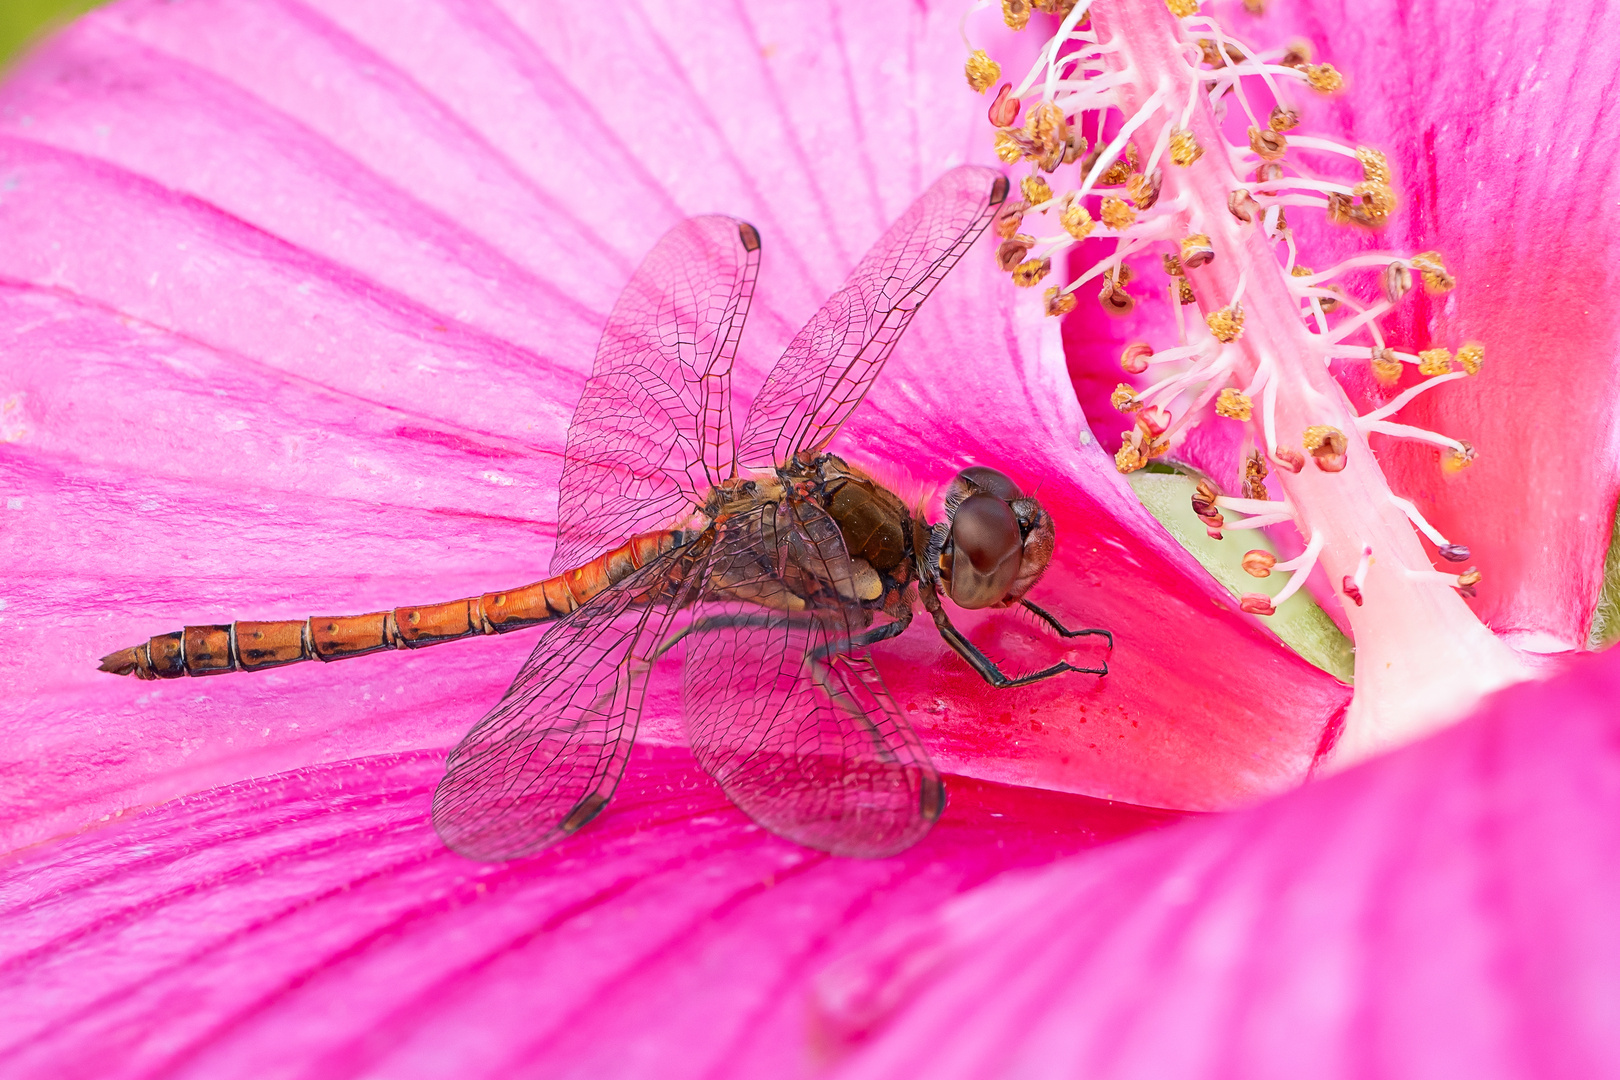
313	925
1443	911
302	300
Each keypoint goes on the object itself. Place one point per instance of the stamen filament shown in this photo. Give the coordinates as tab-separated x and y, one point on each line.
1106	159
1406	431
1301	568
1396	404
1407	507
1264	522
1255	506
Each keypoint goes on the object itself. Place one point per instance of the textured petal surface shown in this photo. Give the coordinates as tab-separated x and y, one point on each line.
1492	114
313	925
1498	119
302	296
1443	911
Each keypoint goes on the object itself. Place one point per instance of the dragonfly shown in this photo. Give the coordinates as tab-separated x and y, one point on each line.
786	562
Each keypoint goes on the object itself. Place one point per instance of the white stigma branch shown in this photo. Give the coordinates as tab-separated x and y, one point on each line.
1265	342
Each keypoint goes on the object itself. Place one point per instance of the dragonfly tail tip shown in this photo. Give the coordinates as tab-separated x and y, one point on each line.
122	662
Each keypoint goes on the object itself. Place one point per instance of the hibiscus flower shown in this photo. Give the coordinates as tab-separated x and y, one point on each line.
299	299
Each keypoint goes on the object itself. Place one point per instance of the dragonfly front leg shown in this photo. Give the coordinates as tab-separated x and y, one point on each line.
1051	620
986	667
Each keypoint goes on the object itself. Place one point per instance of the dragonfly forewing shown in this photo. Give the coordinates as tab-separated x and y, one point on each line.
652	431
828	367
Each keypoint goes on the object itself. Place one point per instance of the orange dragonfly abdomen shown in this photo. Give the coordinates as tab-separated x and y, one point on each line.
257	646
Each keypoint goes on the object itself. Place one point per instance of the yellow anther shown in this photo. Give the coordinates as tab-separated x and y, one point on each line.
1436	278
1047	129
1196	251
1143	190
1076	221
1456	460
1386	366
1184	292
1015	13
1298	54
1010	217
1327	445
1124	398
1377	203
982	72
1120	171
1469	577
1172	265
1234	405
1282	119
1117	214
1302	271
1471	356
1320	435
1058	302
1254	476
1374	166
1323	77
1035	189
1029	273
1182	8
1008	148
1434	361
1255	7
1150	425
1270	145
1226	324
1184	149
1129	458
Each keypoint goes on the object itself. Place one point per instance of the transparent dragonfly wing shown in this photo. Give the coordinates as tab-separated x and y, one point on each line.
652	431
791	719
829	366
548	757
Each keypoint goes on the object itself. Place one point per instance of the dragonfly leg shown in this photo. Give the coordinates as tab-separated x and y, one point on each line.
882	633
1051	620
983	664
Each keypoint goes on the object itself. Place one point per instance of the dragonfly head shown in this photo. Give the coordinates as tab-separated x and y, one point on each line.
995	542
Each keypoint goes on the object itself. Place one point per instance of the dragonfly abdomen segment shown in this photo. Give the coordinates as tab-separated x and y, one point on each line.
255	646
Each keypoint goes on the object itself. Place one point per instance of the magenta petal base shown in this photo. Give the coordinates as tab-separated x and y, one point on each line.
1445	911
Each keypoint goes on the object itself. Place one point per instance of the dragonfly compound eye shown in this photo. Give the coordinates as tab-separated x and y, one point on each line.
989	551
991	482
